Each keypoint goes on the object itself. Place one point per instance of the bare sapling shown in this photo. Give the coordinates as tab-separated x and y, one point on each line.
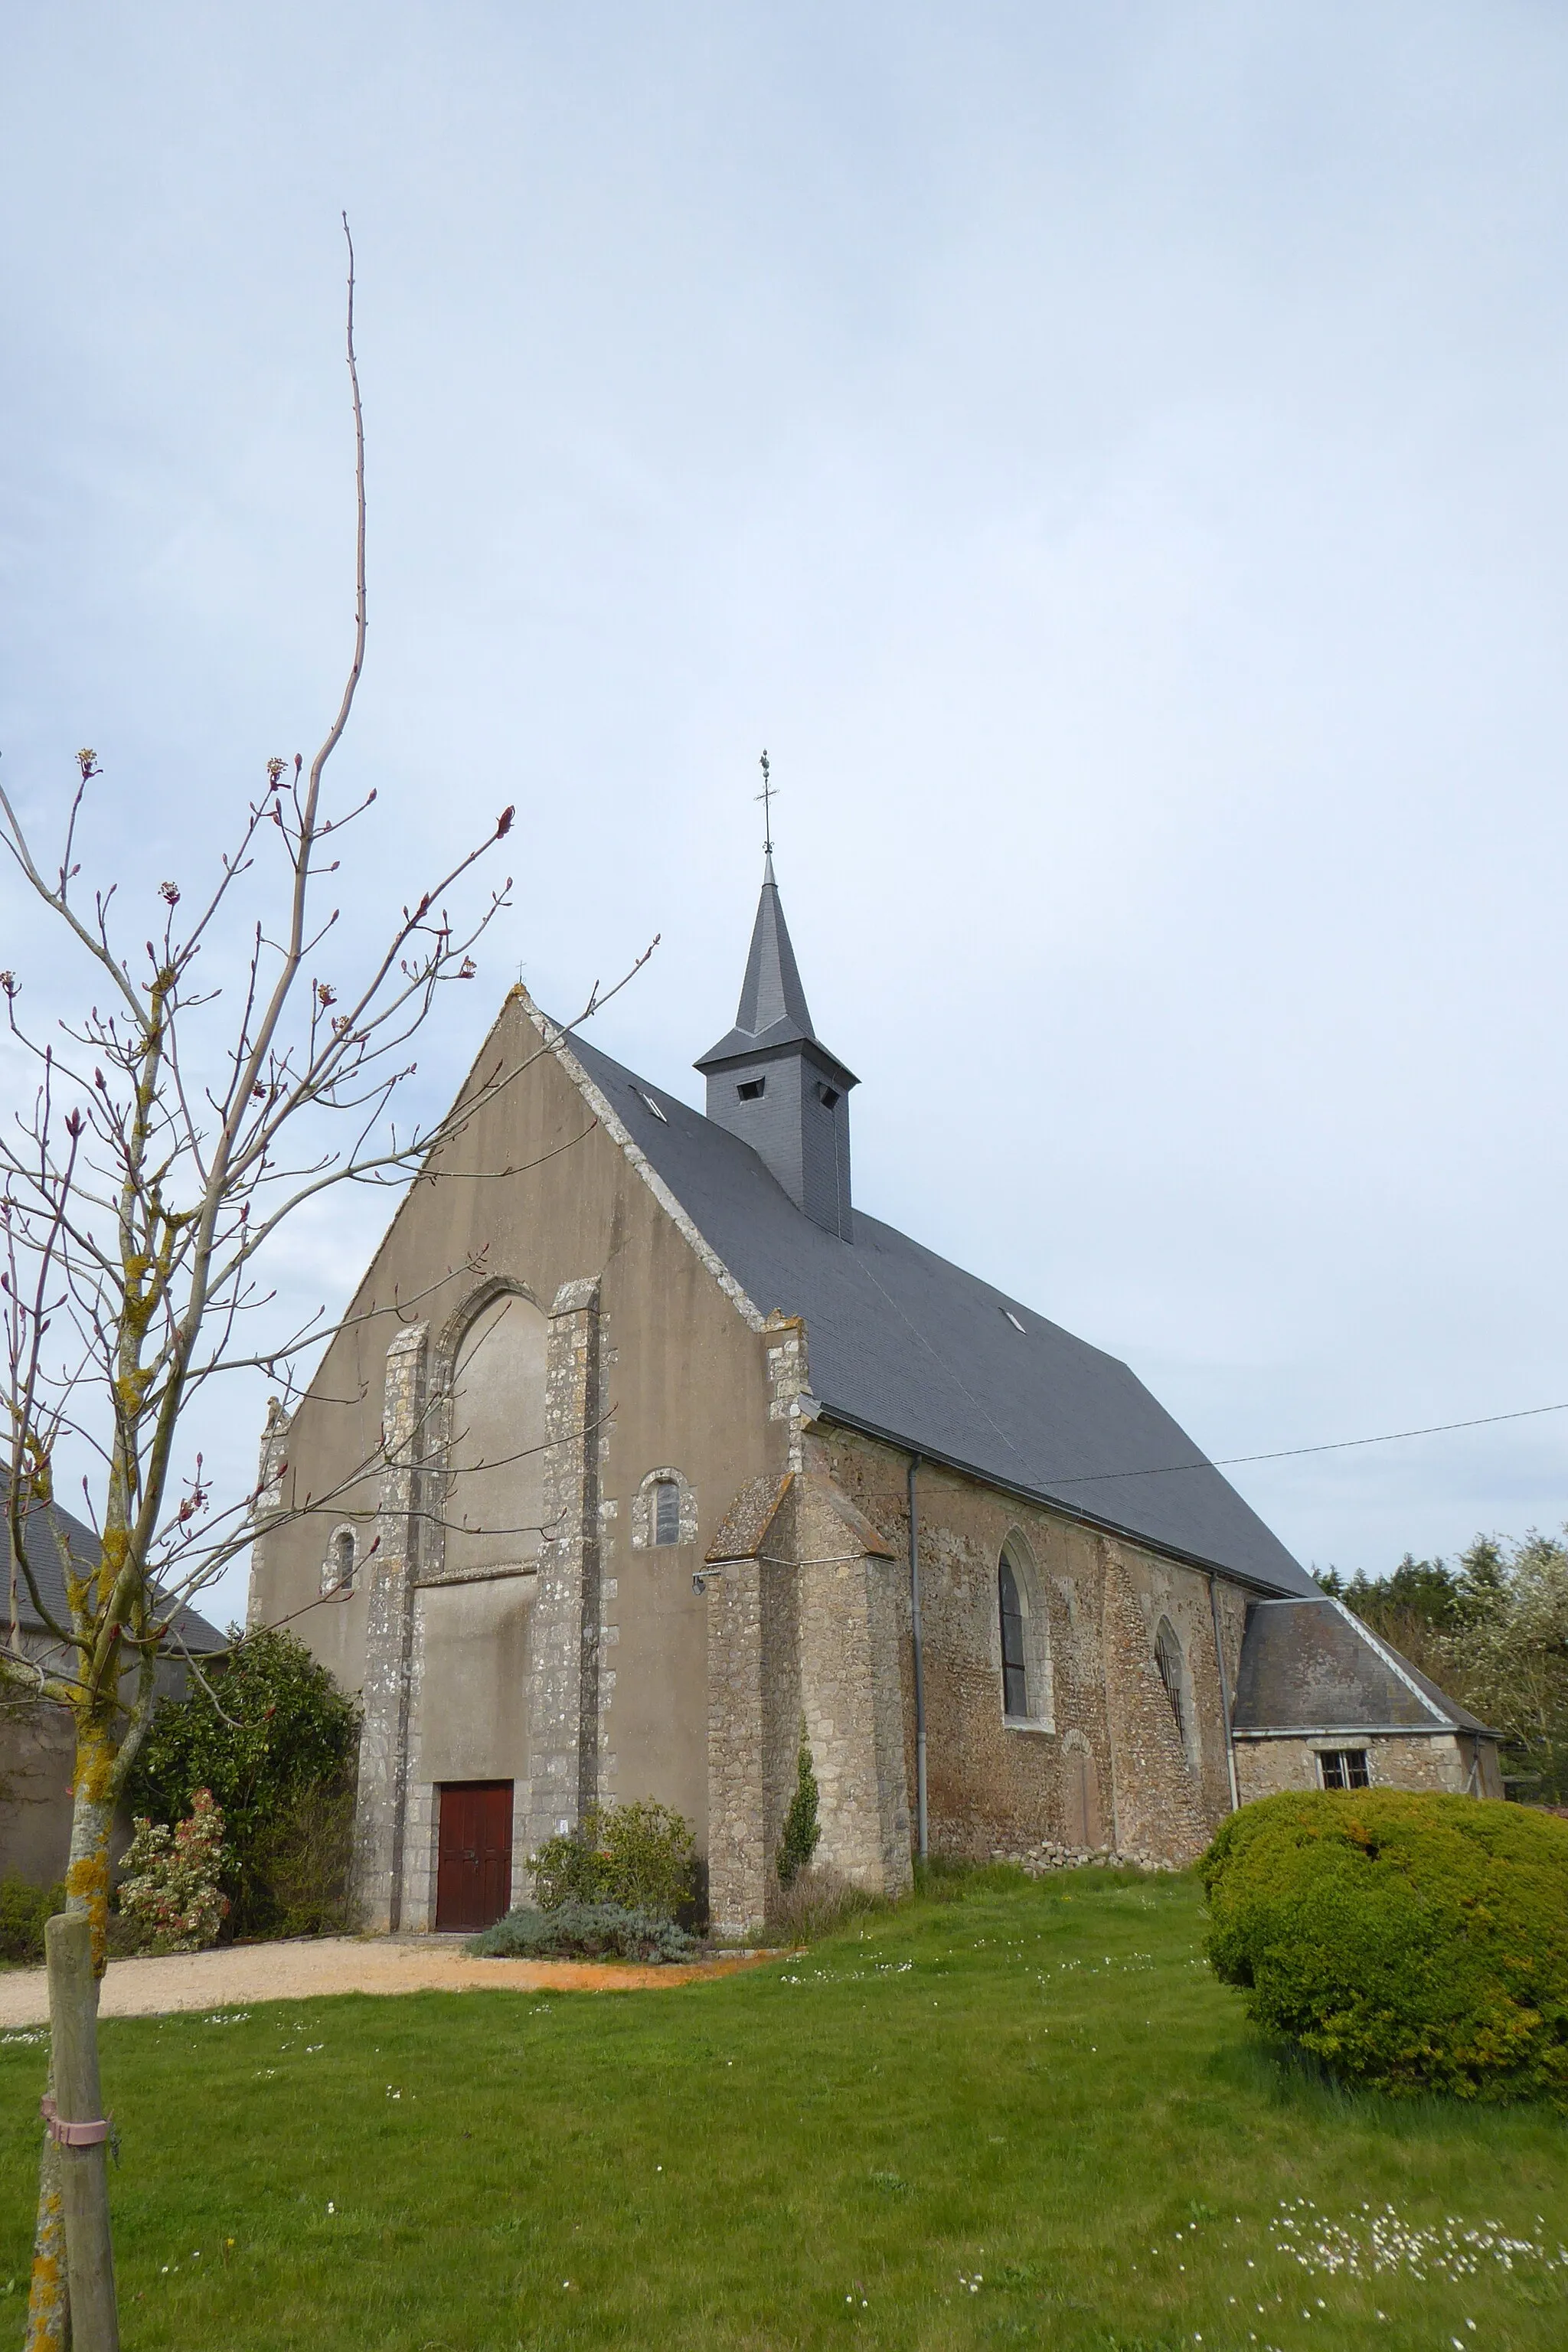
205	1099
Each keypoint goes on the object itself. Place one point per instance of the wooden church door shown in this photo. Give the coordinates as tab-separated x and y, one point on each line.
473	1854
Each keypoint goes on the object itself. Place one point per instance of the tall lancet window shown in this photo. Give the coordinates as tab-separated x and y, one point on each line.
1168	1658
1014	1671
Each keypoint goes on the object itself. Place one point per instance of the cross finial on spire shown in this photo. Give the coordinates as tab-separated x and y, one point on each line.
766	798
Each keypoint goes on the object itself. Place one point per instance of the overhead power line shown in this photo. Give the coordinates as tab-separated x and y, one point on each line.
1287	1452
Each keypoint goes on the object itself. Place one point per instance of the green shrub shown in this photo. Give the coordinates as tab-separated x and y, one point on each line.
1412	1943
286	1729
640	1856
23	1911
802	1830
588	1931
304	1859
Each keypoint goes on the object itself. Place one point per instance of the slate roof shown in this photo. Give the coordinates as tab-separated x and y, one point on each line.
190	1630
908	1347
1312	1665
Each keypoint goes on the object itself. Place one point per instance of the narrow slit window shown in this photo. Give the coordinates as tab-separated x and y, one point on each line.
1014	1671
666	1512
344	1556
1168	1658
751	1089
1344	1767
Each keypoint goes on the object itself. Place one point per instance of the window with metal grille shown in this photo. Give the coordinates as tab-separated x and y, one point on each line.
1168	1658
1015	1673
1344	1767
666	1512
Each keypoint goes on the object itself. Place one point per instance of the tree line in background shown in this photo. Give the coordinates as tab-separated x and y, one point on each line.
1491	1628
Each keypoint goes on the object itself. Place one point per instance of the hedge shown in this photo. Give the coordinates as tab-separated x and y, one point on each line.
1413	1943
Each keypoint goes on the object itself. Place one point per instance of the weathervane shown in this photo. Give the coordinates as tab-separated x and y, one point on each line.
766	798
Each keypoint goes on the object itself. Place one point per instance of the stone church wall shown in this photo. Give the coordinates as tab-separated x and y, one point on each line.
1105	1768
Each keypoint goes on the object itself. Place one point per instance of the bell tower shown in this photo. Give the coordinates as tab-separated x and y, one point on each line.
773	1083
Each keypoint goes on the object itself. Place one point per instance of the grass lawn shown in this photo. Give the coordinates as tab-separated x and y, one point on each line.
1027	2116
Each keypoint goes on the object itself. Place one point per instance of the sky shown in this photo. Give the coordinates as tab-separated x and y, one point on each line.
1116	462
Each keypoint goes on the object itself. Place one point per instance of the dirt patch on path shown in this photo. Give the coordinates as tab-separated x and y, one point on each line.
305	1970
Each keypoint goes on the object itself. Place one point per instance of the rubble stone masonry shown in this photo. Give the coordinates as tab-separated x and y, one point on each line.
1110	1745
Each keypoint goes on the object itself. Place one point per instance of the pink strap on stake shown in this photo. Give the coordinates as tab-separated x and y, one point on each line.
66	2135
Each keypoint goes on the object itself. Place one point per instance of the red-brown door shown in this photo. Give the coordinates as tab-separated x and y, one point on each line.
473	1865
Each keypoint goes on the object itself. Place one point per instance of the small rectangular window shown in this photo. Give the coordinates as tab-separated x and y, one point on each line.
1344	1767
648	1098
667	1512
749	1089
828	1097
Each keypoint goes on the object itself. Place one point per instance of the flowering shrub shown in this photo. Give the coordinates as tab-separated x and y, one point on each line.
170	1891
640	1856
270	1733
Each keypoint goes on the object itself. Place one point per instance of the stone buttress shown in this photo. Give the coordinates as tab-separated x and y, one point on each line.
802	1627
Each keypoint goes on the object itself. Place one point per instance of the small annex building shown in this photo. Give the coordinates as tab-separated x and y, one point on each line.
1323	1703
643	1445
37	1738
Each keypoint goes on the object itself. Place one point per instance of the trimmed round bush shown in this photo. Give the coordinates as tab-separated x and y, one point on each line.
1413	1943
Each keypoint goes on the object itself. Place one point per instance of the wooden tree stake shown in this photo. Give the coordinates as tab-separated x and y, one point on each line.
73	2021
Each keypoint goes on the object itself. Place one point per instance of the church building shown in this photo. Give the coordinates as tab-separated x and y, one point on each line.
644	1452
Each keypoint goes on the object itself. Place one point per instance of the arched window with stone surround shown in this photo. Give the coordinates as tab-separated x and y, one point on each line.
493	1496
338	1568
664	1510
1172	1673
1026	1655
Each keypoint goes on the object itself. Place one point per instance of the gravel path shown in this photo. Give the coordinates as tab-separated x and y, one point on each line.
304	1970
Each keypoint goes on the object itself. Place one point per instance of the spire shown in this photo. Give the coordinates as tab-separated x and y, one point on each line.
773	1009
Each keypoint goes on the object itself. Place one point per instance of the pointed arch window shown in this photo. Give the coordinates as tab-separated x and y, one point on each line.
1015	1654
1168	1658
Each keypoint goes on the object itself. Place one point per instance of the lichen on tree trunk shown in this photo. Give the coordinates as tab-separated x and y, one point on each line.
86	1889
